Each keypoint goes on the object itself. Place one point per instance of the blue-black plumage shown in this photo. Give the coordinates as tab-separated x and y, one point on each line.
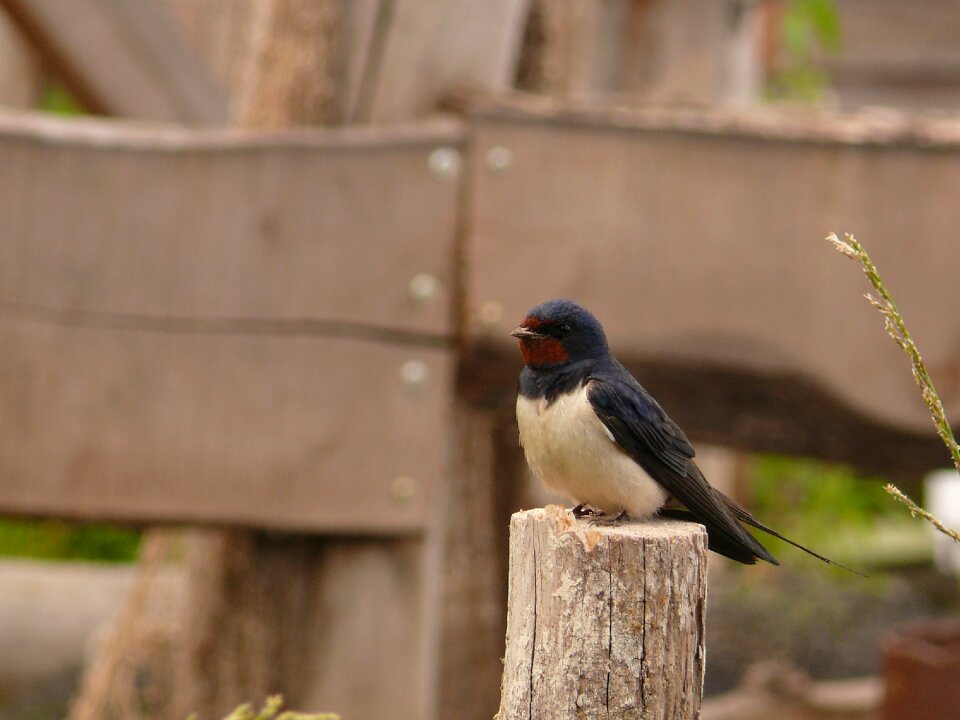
591	432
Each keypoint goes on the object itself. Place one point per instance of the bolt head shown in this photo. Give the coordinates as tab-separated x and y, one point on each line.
424	286
403	489
490	313
414	373
499	158
444	162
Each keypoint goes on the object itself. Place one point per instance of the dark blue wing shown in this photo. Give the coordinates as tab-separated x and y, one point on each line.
642	429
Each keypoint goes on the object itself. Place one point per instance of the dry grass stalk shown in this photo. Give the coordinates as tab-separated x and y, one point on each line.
897	329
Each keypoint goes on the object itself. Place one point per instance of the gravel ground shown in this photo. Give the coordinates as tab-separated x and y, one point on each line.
827	622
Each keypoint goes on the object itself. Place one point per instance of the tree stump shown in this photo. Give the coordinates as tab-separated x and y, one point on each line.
604	622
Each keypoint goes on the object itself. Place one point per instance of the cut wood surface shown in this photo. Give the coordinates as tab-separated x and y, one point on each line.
122	58
604	621
697	239
105	219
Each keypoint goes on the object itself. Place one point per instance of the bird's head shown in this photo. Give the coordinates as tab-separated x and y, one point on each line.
559	331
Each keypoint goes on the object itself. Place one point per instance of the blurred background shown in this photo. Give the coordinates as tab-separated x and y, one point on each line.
259	260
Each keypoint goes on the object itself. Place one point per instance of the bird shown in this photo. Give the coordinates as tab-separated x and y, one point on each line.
591	432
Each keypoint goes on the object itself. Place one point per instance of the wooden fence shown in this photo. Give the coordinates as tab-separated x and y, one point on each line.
307	331
303	333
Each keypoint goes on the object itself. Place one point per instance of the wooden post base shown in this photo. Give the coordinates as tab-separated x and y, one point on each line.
604	621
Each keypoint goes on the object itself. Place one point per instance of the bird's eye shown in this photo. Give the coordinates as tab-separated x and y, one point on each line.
564	328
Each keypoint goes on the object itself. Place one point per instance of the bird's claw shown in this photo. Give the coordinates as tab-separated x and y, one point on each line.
582	511
610	520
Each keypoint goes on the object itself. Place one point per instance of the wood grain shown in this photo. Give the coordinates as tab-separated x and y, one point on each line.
604	622
697	239
434	45
104	218
122	58
695	52
297	433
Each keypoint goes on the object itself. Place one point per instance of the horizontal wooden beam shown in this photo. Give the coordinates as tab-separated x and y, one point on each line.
222	327
295	433
697	238
217	227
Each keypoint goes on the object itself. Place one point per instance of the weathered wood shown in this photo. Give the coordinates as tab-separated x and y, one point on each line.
220	226
221	32
895	54
293	69
698	51
20	72
242	429
468	556
604	622
432	46
697	240
364	27
122	58
131	674
364	653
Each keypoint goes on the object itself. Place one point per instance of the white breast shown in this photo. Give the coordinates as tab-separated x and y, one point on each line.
573	453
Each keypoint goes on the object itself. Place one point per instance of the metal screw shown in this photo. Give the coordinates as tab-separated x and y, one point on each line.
444	162
424	286
403	489
414	373
499	158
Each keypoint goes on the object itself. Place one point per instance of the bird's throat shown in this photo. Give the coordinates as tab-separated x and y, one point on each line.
543	352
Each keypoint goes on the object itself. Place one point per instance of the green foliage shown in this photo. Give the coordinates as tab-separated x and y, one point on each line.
821	493
270	711
58	100
807	26
55	540
808	23
836	511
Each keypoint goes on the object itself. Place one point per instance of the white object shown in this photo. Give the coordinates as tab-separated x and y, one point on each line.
943	501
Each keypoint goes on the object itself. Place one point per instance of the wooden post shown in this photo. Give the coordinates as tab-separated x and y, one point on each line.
604	621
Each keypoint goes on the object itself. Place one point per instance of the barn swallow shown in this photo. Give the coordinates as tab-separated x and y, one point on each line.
592	433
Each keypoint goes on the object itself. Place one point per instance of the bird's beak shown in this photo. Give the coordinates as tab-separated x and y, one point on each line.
524	333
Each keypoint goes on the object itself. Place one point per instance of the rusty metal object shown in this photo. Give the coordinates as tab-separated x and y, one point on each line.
921	667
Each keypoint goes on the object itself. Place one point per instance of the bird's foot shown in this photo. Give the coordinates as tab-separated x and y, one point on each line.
611	520
582	511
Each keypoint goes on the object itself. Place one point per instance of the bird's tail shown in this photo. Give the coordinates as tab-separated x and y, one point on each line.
745	517
722	542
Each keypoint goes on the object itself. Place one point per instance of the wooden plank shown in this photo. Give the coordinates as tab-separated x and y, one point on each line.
364	26
314	226
435	45
299	433
468	560
292	77
364	650
20	72
221	32
897	54
122	57
697	51
609	621
697	240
